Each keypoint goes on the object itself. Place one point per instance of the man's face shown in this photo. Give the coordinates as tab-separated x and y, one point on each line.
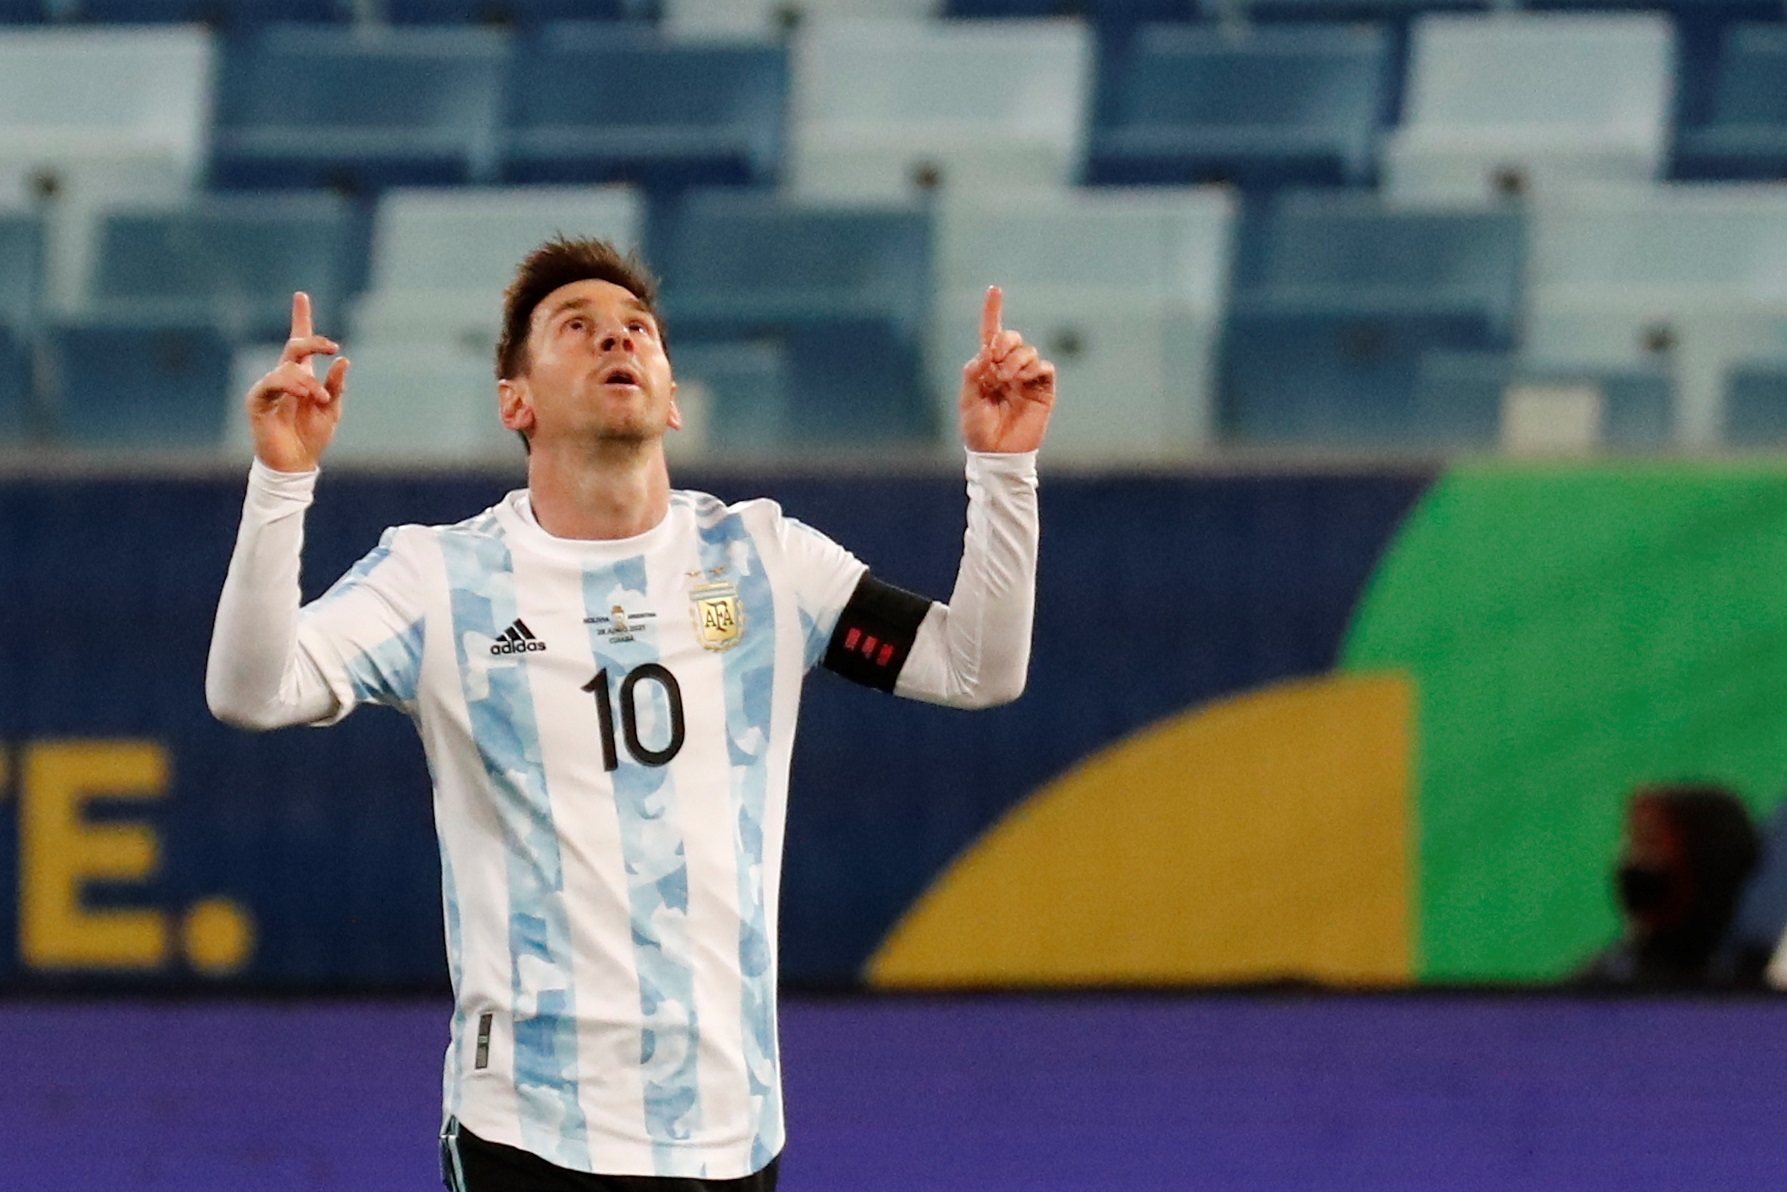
596	370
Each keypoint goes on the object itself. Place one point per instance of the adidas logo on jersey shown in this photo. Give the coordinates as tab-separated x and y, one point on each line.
517	639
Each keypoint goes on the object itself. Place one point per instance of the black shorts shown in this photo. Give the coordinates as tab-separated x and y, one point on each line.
470	1164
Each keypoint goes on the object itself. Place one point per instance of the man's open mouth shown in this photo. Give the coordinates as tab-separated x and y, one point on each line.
620	376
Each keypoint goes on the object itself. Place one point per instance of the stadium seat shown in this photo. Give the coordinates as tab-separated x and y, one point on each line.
490	230
1698	342
1511	104
516	13
96	116
734	398
775	18
1689	277
1259	106
15	389
1700	27
358	109
231	259
885	111
843	291
1756	406
104	89
140	382
1349	252
21	257
419	294
1122	289
21	271
1467	393
1746	134
1395	13
1113	19
22	12
21	268
1345	297
421	405
669	114
231	16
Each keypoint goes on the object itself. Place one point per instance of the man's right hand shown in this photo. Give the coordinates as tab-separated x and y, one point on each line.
291	413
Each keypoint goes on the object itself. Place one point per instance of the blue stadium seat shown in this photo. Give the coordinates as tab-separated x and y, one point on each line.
1354	254
744	387
21	267
21	12
1340	303
515	13
358	109
1745	134
231	16
140	382
233	260
1265	106
15	387
667	115
1756	404
843	291
1461	394
1397	12
1104	13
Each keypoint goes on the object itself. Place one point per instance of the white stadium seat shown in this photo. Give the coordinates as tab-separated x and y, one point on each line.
885	110
97	116
769	18
1506	103
1691	278
419	293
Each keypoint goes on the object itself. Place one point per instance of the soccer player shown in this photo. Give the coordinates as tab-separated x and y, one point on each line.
605	672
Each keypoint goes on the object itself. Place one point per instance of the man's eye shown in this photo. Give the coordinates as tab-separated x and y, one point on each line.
638	326
575	325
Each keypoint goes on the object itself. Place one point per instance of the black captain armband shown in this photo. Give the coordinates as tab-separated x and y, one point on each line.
875	633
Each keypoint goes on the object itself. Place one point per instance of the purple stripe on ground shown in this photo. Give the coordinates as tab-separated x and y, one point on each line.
1443	1094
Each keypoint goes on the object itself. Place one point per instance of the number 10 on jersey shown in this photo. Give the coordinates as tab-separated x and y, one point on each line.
629	714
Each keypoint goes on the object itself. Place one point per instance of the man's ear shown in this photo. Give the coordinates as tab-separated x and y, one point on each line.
515	404
676	415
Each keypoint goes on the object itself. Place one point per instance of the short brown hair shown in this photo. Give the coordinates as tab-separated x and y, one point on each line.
559	262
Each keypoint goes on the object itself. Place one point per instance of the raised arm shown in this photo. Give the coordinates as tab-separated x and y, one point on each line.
257	676
974	652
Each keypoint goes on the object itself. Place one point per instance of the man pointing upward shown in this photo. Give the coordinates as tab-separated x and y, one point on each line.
605	673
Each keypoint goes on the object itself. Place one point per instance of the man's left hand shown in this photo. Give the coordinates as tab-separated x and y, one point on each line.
1008	389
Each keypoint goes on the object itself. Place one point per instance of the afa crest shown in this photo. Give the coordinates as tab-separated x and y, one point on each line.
719	617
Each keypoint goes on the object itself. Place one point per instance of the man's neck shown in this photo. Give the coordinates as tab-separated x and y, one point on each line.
613	490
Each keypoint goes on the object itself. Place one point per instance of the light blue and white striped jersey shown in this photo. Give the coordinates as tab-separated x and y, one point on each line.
609	726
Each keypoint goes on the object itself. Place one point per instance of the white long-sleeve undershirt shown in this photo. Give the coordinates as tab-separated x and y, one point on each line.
970	653
974	652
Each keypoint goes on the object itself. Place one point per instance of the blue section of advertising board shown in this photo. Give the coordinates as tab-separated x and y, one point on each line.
1157	593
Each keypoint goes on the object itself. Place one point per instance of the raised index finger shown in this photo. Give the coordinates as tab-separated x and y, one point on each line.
301	327
992	315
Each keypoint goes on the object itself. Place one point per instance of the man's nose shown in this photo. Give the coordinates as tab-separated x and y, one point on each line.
612	339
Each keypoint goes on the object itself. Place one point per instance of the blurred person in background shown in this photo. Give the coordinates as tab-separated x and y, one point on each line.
605	673
1688	854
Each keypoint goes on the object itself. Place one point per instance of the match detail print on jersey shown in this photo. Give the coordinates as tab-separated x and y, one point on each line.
875	633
